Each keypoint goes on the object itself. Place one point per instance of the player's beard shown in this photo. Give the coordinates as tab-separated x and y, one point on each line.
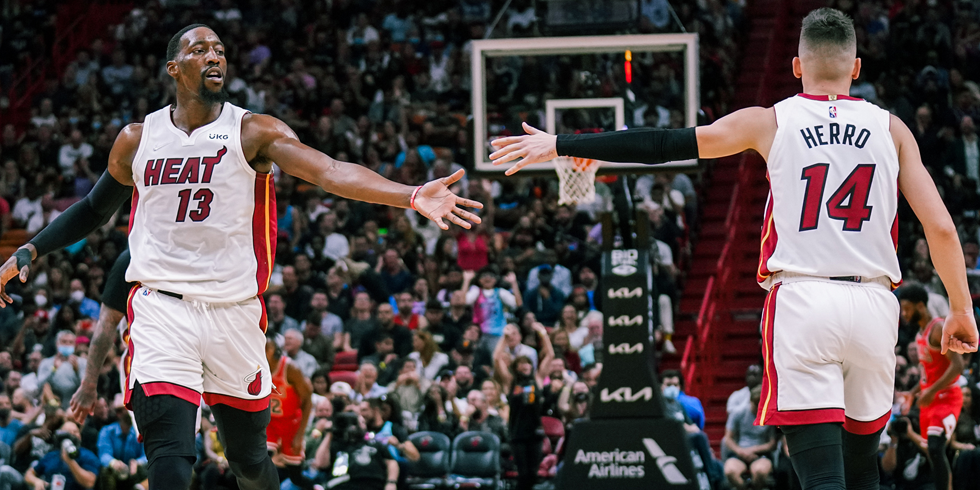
210	96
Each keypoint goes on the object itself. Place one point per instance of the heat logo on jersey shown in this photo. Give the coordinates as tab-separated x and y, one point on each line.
833	112
254	381
164	171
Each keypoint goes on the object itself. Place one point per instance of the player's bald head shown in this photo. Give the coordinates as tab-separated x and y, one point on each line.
828	44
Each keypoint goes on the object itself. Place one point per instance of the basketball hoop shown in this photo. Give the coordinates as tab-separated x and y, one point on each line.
576	180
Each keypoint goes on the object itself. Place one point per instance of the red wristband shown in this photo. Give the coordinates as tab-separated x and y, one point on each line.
415	193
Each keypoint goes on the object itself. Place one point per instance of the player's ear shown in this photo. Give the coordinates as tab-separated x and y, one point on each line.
856	71
172	69
797	67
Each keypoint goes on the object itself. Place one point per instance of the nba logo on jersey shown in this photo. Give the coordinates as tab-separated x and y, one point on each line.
833	112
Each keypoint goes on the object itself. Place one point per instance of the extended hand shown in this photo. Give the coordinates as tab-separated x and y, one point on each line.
536	146
436	202
960	333
926	397
18	264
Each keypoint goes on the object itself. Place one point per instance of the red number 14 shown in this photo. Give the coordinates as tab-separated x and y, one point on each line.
855	190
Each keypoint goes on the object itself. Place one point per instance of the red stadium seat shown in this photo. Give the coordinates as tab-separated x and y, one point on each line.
346	357
349	377
553	428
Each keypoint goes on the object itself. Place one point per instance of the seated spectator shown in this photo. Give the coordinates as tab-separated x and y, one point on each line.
120	451
751	447
563	350
545	300
575	402
446	336
406	316
67	462
591	350
279	322
367	383
496	401
426	353
459	316
361	321
478	416
906	457
741	397
392	433
671	389
9	477
435	416
8	425
409	388
401	336
692	406
463	376
393	273
293	347
61	374
514	348
384	358
316	341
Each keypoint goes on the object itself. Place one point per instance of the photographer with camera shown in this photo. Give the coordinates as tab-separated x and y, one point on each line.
68	466
351	460
906	457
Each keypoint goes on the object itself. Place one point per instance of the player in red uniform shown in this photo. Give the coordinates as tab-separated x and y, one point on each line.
290	404
940	400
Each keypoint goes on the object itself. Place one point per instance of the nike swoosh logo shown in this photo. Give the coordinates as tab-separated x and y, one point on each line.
155	148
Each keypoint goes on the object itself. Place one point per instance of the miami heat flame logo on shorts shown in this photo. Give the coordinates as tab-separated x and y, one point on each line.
254	381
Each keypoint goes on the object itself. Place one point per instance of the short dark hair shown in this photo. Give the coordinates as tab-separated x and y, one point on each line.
914	294
174	45
827	27
672	373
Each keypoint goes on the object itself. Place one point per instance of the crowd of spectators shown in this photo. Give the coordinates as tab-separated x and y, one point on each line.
414	328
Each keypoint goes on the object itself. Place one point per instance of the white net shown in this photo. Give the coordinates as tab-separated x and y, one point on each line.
576	180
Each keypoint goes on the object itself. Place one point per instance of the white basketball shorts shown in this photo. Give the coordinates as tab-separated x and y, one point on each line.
191	349
829	352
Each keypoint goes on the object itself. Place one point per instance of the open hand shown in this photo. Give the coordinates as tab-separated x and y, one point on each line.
536	146
960	333
436	202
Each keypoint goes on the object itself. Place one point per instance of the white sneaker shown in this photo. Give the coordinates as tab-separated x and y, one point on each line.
669	347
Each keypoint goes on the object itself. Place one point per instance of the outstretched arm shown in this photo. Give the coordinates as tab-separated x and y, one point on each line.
267	139
960	329
749	128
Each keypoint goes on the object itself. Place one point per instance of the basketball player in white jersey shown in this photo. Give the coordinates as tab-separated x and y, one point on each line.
836	165
202	240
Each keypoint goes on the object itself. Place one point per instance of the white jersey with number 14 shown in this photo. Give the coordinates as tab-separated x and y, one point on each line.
833	199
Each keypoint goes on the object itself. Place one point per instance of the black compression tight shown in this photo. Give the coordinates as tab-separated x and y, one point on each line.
826	457
940	464
295	475
243	437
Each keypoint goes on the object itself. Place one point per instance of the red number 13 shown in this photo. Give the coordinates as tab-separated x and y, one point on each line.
855	190
203	198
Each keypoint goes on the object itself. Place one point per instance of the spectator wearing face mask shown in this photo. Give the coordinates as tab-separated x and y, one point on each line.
120	451
60	375
8	425
575	402
87	307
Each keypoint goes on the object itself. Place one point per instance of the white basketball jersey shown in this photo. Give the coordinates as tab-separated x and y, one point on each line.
833	198
203	222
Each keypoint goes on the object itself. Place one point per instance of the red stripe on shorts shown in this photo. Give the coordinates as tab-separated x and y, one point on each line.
865	428
767	399
239	403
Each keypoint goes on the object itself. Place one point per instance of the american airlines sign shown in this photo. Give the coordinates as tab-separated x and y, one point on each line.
626	348
625	321
624	293
626	395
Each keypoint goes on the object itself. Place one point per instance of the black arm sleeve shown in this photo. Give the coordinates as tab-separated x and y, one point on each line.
641	145
116	293
84	216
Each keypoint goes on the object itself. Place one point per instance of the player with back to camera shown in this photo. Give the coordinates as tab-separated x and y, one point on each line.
940	399
828	247
202	239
